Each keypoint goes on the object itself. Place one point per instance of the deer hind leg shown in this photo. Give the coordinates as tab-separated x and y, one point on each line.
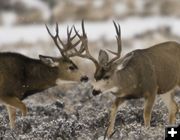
114	108
12	116
168	99
149	102
16	103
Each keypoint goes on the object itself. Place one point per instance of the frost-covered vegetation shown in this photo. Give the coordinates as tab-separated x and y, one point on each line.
73	113
76	114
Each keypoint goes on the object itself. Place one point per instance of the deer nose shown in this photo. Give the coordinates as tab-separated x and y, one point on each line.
97	78
96	92
84	78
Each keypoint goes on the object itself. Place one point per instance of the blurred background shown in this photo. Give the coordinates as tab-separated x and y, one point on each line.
143	23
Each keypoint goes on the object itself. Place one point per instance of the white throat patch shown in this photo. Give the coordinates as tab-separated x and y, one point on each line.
61	82
103	85
113	89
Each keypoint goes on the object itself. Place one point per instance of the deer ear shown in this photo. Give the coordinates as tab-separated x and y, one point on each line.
50	61
103	57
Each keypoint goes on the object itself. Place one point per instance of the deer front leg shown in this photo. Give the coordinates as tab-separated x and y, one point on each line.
149	102
115	105
12	116
15	102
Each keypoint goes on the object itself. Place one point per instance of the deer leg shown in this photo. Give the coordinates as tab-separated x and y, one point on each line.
149	102
168	99
15	102
12	116
114	108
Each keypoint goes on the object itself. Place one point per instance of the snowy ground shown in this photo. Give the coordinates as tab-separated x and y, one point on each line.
77	115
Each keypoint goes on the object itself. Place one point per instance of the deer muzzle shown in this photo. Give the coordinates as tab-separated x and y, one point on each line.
84	78
96	92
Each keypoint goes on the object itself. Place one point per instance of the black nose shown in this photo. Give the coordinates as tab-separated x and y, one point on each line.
84	78
96	92
97	78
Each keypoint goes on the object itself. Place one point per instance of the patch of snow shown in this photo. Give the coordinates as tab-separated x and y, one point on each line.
33	33
102	138
95	30
8	18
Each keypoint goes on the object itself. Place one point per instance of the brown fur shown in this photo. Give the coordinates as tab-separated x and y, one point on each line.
21	77
148	72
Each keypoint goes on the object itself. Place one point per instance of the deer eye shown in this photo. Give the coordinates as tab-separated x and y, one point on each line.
71	68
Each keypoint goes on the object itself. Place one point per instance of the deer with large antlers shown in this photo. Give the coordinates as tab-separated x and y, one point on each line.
21	76
141	73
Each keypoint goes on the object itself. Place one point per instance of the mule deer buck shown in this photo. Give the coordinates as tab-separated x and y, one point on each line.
21	76
141	73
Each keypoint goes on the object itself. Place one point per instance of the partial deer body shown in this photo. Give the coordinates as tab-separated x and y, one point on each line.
145	73
154	69
21	76
141	73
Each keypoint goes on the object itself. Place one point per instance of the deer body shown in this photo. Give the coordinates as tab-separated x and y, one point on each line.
21	76
140	74
144	74
154	69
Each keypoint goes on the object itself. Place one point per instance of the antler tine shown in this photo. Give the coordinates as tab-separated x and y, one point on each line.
84	45
54	37
76	32
118	28
57	29
69	33
71	46
57	36
83	30
69	38
118	38
65	47
82	49
49	31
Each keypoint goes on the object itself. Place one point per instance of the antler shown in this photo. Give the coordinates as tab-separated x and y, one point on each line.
65	46
118	38
84	46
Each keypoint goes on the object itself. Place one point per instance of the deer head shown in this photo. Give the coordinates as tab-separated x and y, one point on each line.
68	70
104	66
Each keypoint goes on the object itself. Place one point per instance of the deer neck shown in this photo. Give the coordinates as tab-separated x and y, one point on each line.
40	76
